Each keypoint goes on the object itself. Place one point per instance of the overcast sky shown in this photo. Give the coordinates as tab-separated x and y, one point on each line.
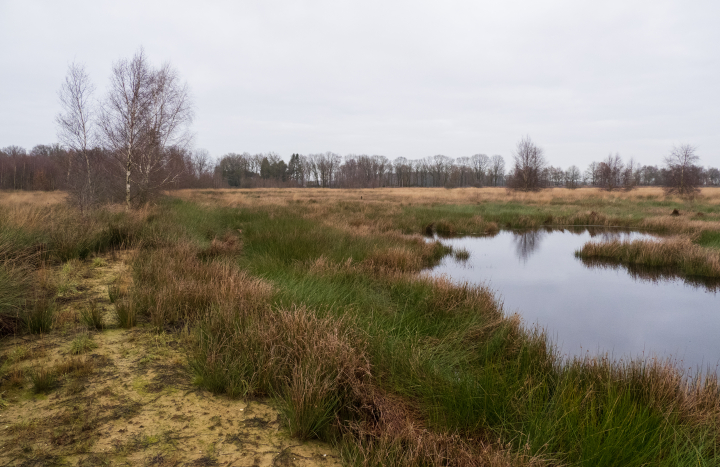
394	78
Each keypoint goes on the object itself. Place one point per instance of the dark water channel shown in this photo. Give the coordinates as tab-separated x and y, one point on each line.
593	308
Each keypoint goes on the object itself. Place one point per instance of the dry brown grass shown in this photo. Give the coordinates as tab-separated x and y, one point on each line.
679	224
173	285
274	196
32	198
661	383
390	433
677	252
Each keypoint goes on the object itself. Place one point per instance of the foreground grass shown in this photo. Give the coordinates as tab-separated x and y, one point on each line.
313	298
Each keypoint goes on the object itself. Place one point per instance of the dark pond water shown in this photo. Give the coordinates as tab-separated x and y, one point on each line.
593	308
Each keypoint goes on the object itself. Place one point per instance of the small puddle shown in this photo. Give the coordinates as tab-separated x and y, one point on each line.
591	307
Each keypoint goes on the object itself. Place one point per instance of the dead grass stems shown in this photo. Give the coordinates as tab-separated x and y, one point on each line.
679	253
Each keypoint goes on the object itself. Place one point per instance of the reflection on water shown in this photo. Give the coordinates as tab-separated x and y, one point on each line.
654	275
594	306
527	242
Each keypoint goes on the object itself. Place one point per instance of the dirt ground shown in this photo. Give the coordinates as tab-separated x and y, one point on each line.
124	397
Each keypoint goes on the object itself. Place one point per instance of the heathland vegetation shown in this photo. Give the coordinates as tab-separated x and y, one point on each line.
315	300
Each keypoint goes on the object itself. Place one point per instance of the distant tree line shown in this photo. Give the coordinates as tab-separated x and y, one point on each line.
681	173
135	142
529	171
54	167
360	171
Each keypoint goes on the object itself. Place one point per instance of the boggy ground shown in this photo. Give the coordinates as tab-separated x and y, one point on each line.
125	396
316	298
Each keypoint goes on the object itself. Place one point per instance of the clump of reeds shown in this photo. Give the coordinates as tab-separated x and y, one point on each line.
38	317
679	253
91	315
125	313
461	254
43	379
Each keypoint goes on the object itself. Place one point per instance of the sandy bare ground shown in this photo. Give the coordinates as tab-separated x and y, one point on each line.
129	400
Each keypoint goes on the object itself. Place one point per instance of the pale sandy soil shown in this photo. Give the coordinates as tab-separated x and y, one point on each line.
128	401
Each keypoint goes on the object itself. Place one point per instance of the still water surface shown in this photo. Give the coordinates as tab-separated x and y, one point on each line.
593	309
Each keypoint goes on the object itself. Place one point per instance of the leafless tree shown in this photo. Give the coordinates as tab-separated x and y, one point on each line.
682	175
631	175
170	115
572	177
610	172
529	163
497	169
145	113
480	165
125	117
591	174
76	131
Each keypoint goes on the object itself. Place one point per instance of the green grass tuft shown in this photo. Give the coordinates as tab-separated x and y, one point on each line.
43	380
91	315
81	344
39	317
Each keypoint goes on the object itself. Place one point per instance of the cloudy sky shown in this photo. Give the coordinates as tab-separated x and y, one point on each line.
396	78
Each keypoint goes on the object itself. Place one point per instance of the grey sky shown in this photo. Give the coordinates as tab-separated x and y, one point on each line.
397	78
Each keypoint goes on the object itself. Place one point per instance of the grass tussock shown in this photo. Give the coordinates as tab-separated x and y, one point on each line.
74	367
83	343
173	286
394	436
91	315
307	360
125	313
43	380
678	253
38	318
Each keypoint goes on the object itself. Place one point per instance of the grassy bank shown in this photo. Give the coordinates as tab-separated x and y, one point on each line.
679	254
312	298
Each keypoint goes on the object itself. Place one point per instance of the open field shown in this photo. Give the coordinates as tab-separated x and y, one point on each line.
146	337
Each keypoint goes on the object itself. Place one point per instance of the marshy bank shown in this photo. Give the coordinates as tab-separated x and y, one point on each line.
313	299
679	254
591	308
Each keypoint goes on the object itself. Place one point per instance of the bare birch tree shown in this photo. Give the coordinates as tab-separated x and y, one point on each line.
125	114
169	119
145	113
76	131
